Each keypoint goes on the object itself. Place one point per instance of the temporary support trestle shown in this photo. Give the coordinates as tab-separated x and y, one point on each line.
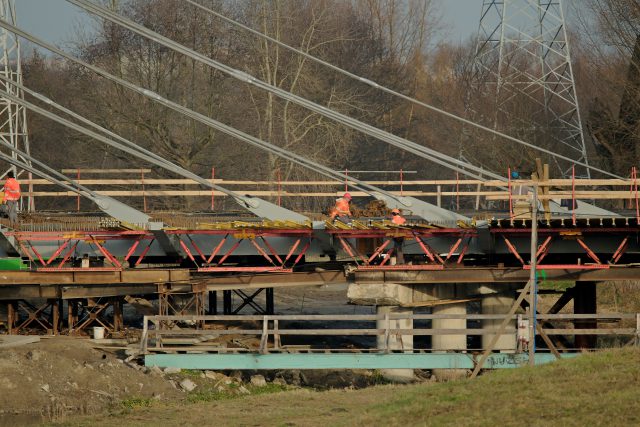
248	300
89	312
23	316
180	301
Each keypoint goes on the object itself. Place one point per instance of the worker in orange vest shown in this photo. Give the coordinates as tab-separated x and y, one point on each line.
11	197
342	210
396	218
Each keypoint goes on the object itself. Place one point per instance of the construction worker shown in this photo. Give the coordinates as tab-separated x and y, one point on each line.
11	191
341	209
397	218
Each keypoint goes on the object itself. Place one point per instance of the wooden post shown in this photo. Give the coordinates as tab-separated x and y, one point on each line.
118	319
457	191
346	180
533	276
144	196
279	188
635	184
509	189
55	316
276	335
439	196
78	199
11	316
573	195
213	176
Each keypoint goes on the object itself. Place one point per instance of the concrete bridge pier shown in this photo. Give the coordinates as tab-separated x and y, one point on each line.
396	342
392	298
388	298
498	299
448	343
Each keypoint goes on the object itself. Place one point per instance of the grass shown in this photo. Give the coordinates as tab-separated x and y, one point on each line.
594	389
190	373
136	402
212	395
558	285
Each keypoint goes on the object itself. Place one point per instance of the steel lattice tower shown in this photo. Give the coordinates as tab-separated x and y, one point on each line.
522	54
13	118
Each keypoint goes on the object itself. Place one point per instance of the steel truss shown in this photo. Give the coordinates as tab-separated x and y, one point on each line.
389	243
259	240
552	236
66	256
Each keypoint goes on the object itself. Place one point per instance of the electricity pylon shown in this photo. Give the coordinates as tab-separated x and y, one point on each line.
522	57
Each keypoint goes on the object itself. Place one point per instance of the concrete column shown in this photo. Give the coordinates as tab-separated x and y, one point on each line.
498	299
387	298
585	302
395	342
445	343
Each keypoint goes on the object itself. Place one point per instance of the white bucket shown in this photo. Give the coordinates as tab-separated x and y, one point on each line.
98	333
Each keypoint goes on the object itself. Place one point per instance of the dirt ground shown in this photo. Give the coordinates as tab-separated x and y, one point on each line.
63	378
66	375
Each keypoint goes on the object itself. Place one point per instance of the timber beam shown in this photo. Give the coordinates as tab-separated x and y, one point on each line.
133	276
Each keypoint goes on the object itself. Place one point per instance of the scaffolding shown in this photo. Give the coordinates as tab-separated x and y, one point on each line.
13	117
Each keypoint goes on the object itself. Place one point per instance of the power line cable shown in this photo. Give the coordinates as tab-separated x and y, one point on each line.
394	140
286	154
341	118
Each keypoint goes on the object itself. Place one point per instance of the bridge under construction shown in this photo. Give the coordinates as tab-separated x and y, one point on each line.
467	276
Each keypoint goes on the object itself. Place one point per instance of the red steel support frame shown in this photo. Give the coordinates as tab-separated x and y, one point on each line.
513	249
620	251
366	262
543	250
254	236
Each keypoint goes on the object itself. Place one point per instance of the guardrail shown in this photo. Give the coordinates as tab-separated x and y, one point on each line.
158	331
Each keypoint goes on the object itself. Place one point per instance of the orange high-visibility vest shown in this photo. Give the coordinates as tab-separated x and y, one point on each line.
341	208
398	220
11	189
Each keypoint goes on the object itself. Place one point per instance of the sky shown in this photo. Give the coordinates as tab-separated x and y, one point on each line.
57	20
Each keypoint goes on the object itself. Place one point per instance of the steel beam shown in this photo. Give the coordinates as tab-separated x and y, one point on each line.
493	275
8	278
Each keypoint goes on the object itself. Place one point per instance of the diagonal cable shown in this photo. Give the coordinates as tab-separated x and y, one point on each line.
288	155
387	137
